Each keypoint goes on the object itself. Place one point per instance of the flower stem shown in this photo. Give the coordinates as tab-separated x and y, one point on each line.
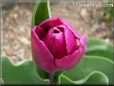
51	78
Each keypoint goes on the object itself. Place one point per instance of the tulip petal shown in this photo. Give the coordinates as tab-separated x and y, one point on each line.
41	54
70	61
70	41
83	40
56	43
40	32
49	23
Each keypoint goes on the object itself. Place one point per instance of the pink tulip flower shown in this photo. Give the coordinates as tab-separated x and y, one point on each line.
56	45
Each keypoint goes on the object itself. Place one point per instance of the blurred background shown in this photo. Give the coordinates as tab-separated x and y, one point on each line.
16	18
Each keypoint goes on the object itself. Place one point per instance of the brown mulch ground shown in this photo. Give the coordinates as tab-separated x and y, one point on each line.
16	26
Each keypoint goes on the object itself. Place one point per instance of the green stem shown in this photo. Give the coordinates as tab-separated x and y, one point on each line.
51	78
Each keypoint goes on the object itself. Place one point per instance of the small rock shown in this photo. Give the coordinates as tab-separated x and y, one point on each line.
84	13
15	15
24	40
20	54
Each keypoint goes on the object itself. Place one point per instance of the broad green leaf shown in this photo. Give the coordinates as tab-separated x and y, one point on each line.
95	77
20	73
42	73
41	12
90	64
98	47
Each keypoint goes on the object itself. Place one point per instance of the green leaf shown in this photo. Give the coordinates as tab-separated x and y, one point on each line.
42	73
20	73
95	77
90	64
98	47
41	12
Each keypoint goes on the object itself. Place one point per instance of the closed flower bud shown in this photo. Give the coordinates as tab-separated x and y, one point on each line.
56	46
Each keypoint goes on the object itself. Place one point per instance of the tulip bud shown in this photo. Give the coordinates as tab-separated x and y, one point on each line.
56	46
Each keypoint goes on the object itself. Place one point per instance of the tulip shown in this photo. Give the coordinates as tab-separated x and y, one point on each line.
56	45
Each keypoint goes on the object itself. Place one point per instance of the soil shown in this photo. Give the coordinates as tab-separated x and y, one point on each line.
16	26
